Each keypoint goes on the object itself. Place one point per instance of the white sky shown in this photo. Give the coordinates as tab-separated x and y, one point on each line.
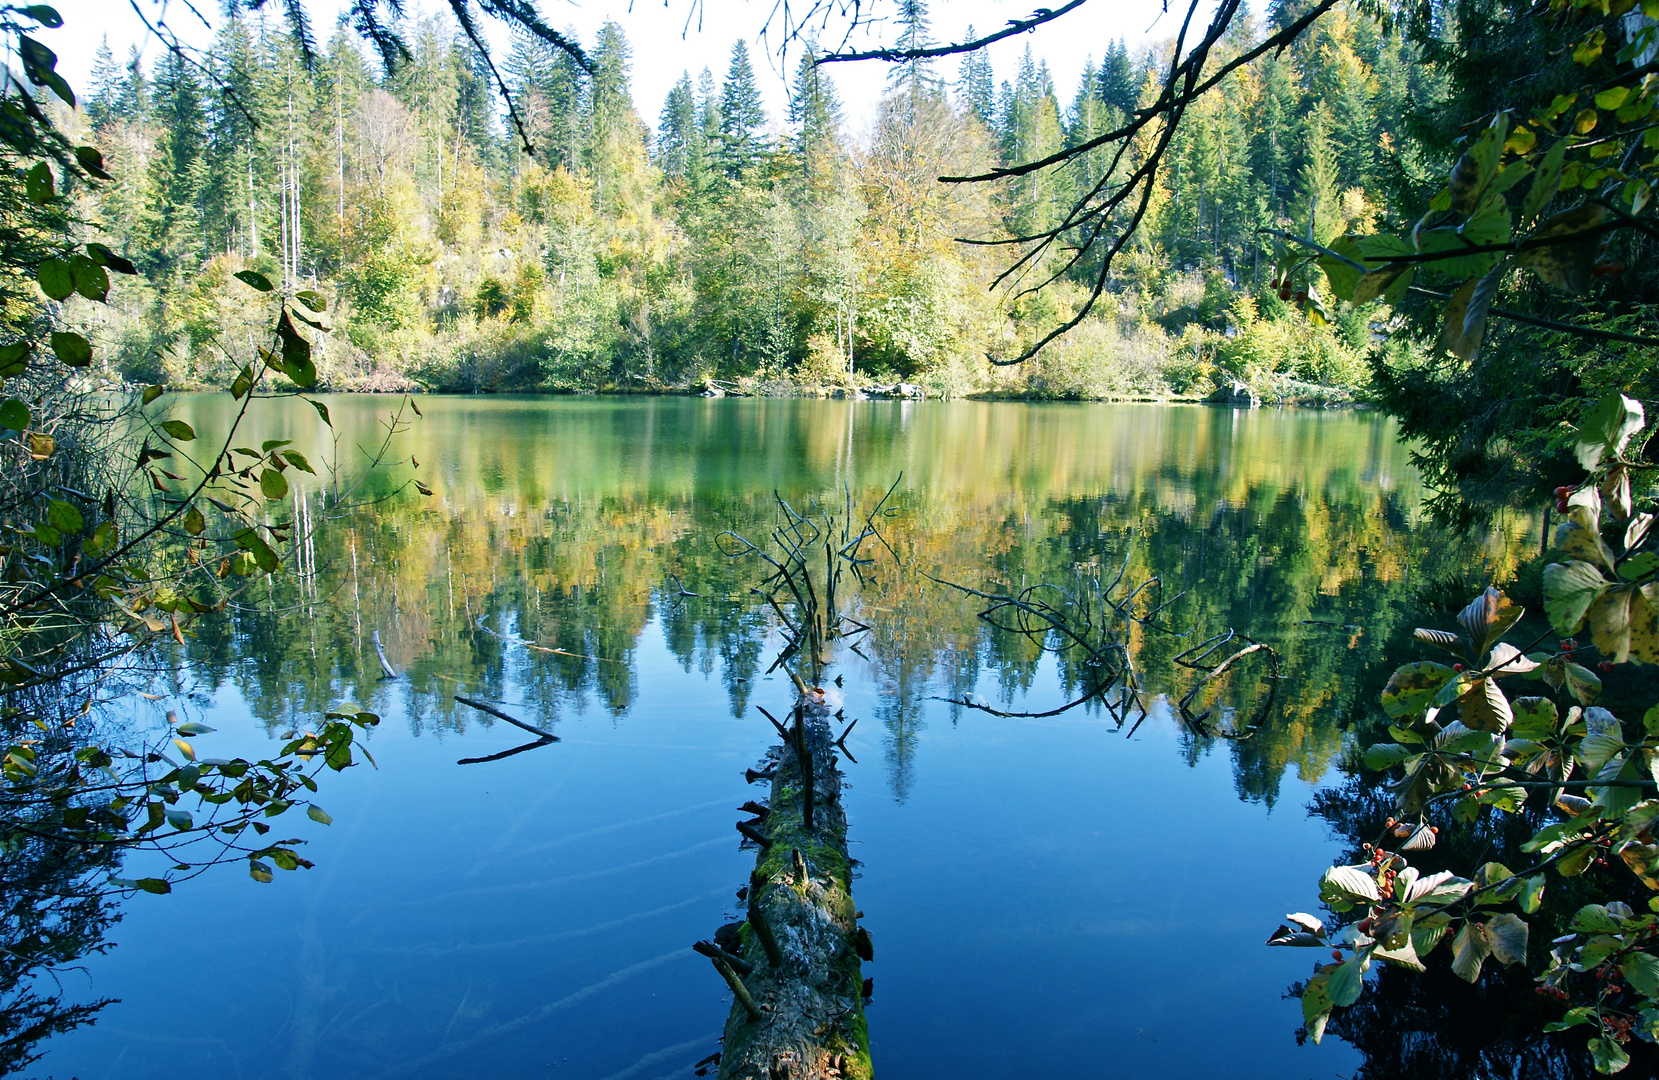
664	46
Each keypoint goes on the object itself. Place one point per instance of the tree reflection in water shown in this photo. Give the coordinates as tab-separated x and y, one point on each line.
573	526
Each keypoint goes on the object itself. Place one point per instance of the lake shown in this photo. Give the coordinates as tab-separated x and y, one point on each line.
1056	896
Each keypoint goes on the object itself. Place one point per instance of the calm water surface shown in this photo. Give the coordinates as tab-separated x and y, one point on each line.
1047	897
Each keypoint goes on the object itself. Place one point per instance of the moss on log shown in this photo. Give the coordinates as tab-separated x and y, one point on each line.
810	996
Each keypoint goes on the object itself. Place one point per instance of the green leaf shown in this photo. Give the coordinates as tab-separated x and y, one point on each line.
72	349
1384	756
255	279
1346	982
242	383
298	461
92	162
91	280
1609	1056
1642	969
108	259
296	354
1506	937
1545	182
179	819
1639	566
317	814
14	415
322	410
312	300
152	392
64	517
1350	882
44	15
194	523
179	430
56	279
1569	590
1595	919
14	359
1341	275
1316	1002
153	885
262	554
1413	686
1574	1017
1607	429
1531	896
260	871
1535	718
1582	683
1469	952
273	484
39	184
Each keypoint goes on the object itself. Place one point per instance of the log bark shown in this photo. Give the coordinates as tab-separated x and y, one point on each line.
810	996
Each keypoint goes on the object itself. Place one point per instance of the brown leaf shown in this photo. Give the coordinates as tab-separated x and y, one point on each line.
1487	618
1567	266
1453	337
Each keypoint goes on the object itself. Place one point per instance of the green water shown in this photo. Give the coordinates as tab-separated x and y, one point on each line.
1043	892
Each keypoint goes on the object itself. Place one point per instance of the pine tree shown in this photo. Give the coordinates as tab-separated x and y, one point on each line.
741	114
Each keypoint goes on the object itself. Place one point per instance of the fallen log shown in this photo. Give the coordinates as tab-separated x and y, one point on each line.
805	1015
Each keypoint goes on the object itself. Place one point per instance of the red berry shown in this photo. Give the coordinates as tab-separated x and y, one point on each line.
1284	293
1563	491
1561	506
1336	954
1301	296
1457	667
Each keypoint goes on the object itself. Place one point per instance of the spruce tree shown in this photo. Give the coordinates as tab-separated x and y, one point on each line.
975	87
179	166
677	128
1119	86
815	113
104	88
913	82
741	114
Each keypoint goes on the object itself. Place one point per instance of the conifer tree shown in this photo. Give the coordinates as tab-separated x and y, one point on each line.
677	129
815	113
741	114
975	88
1119	84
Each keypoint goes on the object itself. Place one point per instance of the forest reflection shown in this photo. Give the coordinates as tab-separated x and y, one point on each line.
573	525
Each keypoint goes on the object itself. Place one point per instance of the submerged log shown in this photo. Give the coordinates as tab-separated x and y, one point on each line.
802	936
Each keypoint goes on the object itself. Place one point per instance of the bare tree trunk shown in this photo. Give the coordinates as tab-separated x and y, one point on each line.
802	938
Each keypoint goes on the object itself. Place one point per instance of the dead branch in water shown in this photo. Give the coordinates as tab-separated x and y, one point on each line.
380	651
499	715
1194	658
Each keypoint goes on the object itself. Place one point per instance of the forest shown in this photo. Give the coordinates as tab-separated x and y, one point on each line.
1110	656
715	242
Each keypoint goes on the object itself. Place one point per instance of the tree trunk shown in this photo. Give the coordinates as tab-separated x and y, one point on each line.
807	980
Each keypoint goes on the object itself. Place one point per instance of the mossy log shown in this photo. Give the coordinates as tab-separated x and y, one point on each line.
807	982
